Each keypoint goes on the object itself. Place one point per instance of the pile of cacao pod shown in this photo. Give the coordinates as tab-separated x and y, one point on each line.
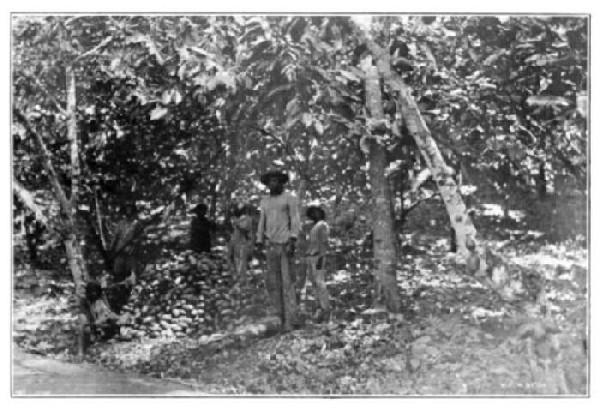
186	293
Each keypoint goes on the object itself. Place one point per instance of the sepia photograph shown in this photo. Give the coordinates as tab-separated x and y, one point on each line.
300	205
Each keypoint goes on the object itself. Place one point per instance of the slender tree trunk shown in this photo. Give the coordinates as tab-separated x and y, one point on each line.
384	245
212	211
100	222
231	177
298	269
301	193
542	181
72	136
505	175
74	241
542	184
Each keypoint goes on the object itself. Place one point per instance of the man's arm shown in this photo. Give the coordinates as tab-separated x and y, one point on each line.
294	204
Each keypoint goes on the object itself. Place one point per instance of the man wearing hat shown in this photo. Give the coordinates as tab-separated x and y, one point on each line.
278	228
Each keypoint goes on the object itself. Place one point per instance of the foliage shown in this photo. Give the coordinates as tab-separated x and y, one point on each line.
500	95
165	103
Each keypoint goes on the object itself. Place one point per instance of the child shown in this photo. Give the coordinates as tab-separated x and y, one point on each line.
240	244
318	245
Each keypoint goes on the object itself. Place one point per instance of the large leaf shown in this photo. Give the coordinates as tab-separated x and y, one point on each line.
203	53
351	76
158	113
319	127
280	89
221	78
293	107
545	100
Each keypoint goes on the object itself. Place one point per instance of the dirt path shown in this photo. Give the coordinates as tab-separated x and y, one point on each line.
35	376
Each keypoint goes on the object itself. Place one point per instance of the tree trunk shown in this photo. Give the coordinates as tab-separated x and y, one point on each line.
384	245
76	263
72	136
460	220
68	223
74	241
212	205
441	173
301	194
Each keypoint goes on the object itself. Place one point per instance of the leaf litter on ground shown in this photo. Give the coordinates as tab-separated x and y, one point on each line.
455	338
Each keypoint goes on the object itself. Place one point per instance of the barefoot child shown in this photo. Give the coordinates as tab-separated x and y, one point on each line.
240	243
318	245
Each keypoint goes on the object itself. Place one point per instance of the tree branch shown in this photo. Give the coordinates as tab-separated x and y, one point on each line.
99	221
430	56
27	199
47	163
97	240
94	50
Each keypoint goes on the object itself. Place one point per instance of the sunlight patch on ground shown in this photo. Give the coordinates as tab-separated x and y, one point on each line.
341	276
496	210
481	313
516	215
492	210
525	233
545	259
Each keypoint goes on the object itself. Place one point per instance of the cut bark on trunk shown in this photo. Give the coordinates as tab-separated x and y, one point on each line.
460	220
384	246
441	173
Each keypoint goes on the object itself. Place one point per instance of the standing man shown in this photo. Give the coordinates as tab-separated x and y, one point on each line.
278	228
